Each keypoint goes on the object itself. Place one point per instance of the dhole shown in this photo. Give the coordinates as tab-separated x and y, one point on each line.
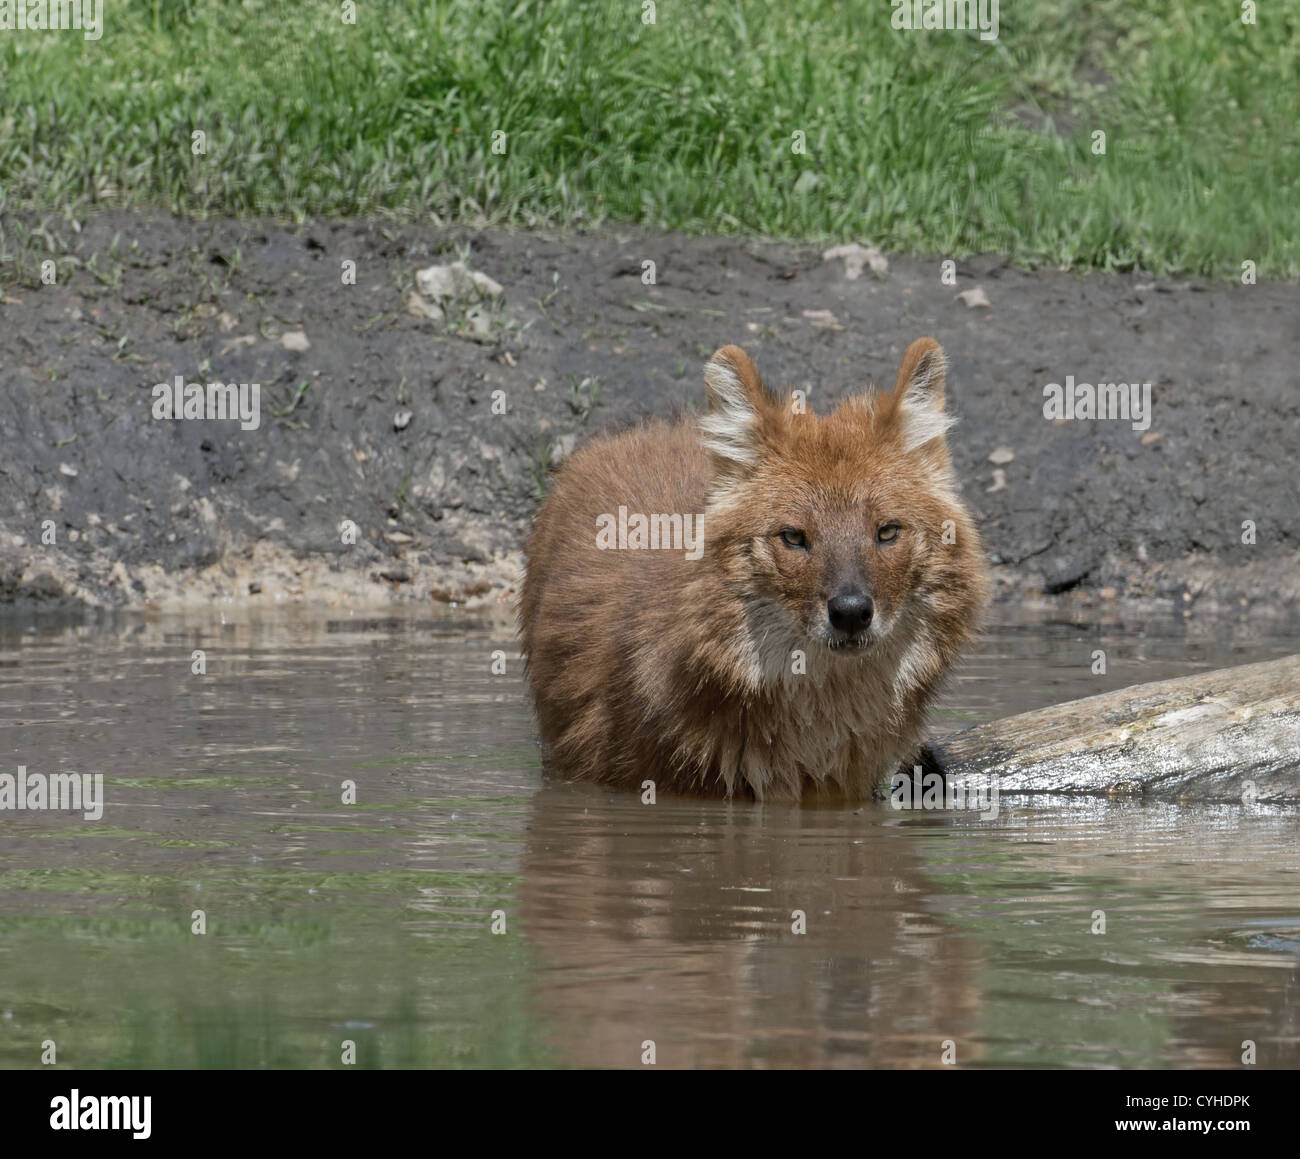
839	576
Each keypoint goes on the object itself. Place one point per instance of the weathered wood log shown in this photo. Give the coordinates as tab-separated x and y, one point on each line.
1226	735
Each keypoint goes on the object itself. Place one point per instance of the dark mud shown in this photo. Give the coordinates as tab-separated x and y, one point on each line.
155	513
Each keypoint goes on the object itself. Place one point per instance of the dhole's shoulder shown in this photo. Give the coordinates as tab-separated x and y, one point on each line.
654	462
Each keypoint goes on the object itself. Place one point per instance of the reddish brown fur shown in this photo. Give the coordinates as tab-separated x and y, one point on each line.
647	665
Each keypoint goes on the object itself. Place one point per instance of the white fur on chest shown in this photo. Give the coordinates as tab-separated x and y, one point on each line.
838	721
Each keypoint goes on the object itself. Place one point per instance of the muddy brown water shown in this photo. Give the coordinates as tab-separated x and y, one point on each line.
623	923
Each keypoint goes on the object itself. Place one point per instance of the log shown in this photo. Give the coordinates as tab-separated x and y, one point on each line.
1228	735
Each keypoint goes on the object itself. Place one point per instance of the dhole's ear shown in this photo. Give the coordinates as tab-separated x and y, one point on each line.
738	405
918	394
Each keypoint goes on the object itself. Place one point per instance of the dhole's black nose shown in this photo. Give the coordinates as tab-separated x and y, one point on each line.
850	612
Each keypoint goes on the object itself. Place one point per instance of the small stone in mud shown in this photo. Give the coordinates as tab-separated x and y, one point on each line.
821	318
439	283
1150	438
1002	455
401	420
236	343
254	589
418	307
479	321
855	257
395	576
68	469
447	595
975	298
295	340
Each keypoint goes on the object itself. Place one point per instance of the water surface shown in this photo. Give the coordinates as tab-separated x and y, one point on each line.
624	923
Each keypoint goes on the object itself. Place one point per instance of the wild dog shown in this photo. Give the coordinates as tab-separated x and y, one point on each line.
792	655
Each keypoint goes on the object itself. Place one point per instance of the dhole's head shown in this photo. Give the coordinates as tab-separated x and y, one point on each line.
842	529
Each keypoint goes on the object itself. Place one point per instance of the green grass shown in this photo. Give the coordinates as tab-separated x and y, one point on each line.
930	142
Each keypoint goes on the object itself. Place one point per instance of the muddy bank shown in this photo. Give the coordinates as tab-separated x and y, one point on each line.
434	435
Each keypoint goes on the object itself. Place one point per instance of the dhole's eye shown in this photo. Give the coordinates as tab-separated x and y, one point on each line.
888	533
792	538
